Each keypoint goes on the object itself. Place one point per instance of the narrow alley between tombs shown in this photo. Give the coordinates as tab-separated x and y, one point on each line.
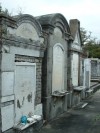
78	119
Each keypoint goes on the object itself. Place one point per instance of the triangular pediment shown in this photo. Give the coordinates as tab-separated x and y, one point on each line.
77	39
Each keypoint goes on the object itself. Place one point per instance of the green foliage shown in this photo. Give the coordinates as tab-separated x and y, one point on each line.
85	35
4	11
7	13
93	50
97	118
90	45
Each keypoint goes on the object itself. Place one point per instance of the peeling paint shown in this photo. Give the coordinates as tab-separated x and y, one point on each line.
23	100
18	104
29	97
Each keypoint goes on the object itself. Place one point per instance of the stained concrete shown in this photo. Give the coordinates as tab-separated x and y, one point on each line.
78	120
22	45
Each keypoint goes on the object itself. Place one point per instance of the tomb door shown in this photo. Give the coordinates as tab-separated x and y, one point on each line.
25	87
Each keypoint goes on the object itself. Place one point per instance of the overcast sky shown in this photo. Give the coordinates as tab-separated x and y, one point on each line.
86	11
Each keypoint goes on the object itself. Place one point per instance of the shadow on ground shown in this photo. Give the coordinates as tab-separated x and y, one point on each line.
78	120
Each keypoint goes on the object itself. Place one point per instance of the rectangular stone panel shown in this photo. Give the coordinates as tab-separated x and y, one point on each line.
58	68
75	69
87	73
7	114
24	51
7	83
7	62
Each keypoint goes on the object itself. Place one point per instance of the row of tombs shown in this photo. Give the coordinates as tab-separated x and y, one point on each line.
43	69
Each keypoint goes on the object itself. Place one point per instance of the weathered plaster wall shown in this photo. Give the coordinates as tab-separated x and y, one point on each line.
56	32
18	47
22	41
76	63
56	104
